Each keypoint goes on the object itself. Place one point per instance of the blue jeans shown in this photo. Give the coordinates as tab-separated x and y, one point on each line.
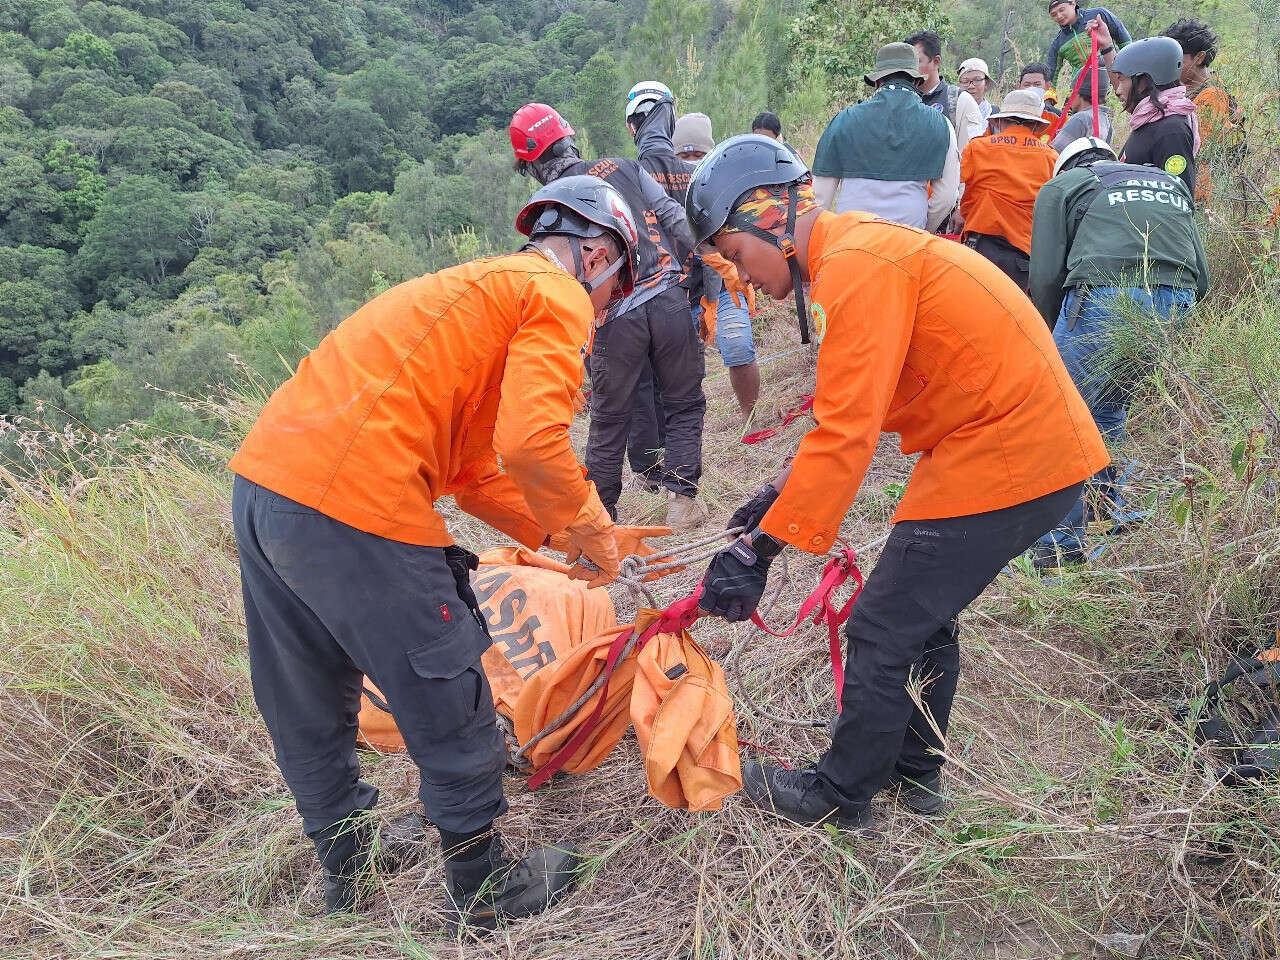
733	332
1087	348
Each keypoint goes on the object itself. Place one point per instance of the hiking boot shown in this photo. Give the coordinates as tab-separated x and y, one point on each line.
491	887
650	481
404	841
347	866
684	513
922	795
801	796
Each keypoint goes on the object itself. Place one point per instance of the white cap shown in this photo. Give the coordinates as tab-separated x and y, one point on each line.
975	63
645	94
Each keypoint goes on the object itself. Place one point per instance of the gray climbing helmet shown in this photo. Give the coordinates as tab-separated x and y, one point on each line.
1159	58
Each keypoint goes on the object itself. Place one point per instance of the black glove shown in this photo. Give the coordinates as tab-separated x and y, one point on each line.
752	512
734	582
461	562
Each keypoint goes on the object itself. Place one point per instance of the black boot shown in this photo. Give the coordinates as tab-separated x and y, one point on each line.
404	841
801	796
346	861
922	794
491	887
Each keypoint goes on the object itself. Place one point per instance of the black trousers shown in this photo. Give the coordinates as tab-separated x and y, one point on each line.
904	627
1015	264
325	605
648	431
661	332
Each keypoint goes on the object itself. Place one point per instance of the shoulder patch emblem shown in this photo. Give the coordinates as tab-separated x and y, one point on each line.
1175	165
817	322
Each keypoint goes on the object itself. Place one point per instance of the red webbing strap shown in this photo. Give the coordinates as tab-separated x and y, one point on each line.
837	571
679	616
1093	82
788	417
1091	70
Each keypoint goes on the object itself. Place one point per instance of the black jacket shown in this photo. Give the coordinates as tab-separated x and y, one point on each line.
1167	143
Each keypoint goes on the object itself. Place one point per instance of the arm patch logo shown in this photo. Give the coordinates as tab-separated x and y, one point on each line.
1175	165
817	322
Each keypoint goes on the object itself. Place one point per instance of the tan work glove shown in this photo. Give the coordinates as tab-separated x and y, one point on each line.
744	295
630	541
592	550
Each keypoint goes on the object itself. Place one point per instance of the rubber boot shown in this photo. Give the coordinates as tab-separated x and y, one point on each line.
491	887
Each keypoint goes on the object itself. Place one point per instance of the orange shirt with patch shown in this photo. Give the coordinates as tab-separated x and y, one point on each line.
418	394
1214	111
1002	173
928	339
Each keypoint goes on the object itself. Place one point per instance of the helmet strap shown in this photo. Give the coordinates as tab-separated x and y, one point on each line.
575	246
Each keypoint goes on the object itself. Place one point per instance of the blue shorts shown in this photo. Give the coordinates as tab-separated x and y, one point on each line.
733	332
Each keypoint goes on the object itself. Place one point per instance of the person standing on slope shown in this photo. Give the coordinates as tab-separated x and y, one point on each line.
653	324
1164	129
1110	242
926	339
1002	173
890	155
348	568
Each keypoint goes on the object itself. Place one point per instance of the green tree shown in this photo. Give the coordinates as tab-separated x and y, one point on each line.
37	302
81	188
839	38
360	145
137	232
596	112
29	204
83	49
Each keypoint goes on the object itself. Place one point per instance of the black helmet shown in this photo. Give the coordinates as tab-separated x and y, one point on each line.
1160	58
735	167
586	207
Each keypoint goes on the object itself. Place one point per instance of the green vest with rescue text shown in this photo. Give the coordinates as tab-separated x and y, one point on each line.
892	136
1113	225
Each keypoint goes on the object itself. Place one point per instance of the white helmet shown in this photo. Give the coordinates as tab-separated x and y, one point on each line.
645	94
1074	152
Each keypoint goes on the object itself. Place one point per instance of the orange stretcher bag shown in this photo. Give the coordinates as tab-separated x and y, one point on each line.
552	641
537	616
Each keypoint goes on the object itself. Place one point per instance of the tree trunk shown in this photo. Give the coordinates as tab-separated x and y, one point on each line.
1004	47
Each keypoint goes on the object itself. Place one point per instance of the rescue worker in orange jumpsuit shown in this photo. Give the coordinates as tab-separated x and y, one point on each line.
921	337
348	568
1002	173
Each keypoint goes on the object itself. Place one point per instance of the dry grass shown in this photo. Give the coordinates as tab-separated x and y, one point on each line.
141	814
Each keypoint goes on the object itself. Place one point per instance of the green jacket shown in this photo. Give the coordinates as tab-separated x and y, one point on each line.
1140	232
893	136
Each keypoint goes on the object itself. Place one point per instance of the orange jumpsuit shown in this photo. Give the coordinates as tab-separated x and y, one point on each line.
418	394
929	340
1002	173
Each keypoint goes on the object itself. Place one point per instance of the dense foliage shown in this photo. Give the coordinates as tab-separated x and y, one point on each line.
189	186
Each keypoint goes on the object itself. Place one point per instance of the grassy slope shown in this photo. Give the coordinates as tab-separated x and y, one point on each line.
144	816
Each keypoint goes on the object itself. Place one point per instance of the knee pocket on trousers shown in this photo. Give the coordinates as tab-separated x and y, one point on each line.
450	686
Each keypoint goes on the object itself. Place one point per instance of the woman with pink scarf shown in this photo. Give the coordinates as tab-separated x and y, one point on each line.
1164	131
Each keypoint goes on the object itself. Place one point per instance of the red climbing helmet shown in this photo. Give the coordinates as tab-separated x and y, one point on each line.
535	127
